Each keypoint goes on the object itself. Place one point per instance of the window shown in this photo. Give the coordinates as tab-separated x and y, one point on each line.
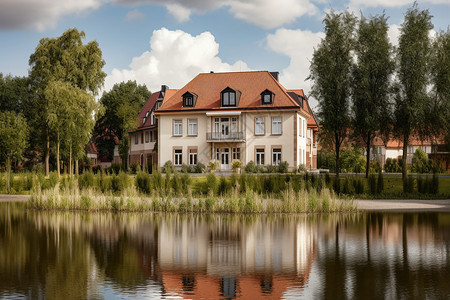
147	137
177	127
142	137
192	156
228	97
266	97
188	101
151	136
192	127
236	153
276	125
178	157
259	126
234	124
136	138
217	154
260	156
276	156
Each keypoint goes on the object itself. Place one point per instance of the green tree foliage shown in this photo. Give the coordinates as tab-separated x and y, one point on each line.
64	59
13	139
330	72
413	59
122	106
13	93
371	82
439	117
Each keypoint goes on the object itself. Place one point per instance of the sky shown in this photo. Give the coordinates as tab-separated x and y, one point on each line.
169	42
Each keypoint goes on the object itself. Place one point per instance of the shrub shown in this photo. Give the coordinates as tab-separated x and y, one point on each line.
157	180
97	168
409	187
435	184
86	180
358	185
327	178
184	168
200	168
143	182
211	183
135	167
115	168
380	182
337	185
168	167
185	183
271	169
372	184
259	169
420	162
213	165
302	168
346	186
250	167
176	184
236	164
283	167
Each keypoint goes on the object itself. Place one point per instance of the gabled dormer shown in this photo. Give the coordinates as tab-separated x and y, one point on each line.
228	98
267	97
189	99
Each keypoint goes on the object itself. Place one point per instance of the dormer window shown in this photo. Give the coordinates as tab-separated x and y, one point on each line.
228	97
188	100
267	97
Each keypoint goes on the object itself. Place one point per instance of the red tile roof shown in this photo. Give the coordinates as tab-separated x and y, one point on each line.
312	120
148	108
413	141
208	86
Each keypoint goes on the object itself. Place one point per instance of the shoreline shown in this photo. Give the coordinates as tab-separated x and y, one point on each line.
362	205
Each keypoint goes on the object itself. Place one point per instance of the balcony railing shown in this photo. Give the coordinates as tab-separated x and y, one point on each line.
219	136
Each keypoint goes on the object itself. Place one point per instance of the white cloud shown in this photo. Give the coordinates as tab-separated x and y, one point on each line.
40	15
298	45
134	15
391	3
394	34
175	57
263	13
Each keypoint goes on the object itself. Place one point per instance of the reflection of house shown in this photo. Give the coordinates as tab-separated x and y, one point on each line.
143	140
234	259
246	116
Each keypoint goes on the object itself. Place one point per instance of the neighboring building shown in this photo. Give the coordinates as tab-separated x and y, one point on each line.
246	116
143	140
436	149
92	153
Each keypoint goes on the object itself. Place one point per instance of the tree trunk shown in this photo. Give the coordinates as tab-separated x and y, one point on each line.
70	161
337	147
58	168
47	155
8	174
368	155
405	155
76	168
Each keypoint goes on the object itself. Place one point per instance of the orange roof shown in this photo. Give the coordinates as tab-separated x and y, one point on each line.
413	141
208	86
312	120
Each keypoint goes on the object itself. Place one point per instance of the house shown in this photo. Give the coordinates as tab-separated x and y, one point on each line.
246	116
144	139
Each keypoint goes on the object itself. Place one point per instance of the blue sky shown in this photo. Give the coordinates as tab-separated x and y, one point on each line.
170	41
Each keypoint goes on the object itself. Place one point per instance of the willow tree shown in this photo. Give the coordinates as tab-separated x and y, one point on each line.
63	59
330	72
412	101
371	82
13	139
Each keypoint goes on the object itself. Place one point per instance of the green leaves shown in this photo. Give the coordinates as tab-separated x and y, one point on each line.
13	134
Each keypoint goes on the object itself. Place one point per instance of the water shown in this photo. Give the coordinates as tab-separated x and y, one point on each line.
61	255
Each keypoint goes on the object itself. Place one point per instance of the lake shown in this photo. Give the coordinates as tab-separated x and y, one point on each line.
73	255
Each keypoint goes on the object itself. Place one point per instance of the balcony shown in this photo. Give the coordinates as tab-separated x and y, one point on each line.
221	137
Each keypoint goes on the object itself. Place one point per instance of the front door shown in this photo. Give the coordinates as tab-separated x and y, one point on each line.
225	123
225	159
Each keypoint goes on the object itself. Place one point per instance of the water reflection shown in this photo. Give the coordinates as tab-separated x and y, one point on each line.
55	255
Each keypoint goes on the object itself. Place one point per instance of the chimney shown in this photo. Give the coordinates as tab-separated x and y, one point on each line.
275	75
211	72
164	88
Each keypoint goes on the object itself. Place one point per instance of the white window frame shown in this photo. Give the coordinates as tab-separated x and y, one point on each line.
192	127
276	125
193	157
260	153
276	156
177	127
177	157
259	126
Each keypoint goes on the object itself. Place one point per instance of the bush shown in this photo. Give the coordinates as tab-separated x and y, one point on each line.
143	182
250	167
358	185
283	167
337	185
184	168
409	187
302	168
115	168
185	183
259	169
200	168
435	184
380	182
168	167
176	184
135	167
86	180
372	184
97	168
211	183
213	165
392	166
236	164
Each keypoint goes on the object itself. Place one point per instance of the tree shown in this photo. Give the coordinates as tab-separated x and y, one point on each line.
63	59
13	93
439	117
413	74
122	105
330	71
13	139
371	82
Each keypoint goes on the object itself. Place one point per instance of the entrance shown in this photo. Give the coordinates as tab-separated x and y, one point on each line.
225	122
224	158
